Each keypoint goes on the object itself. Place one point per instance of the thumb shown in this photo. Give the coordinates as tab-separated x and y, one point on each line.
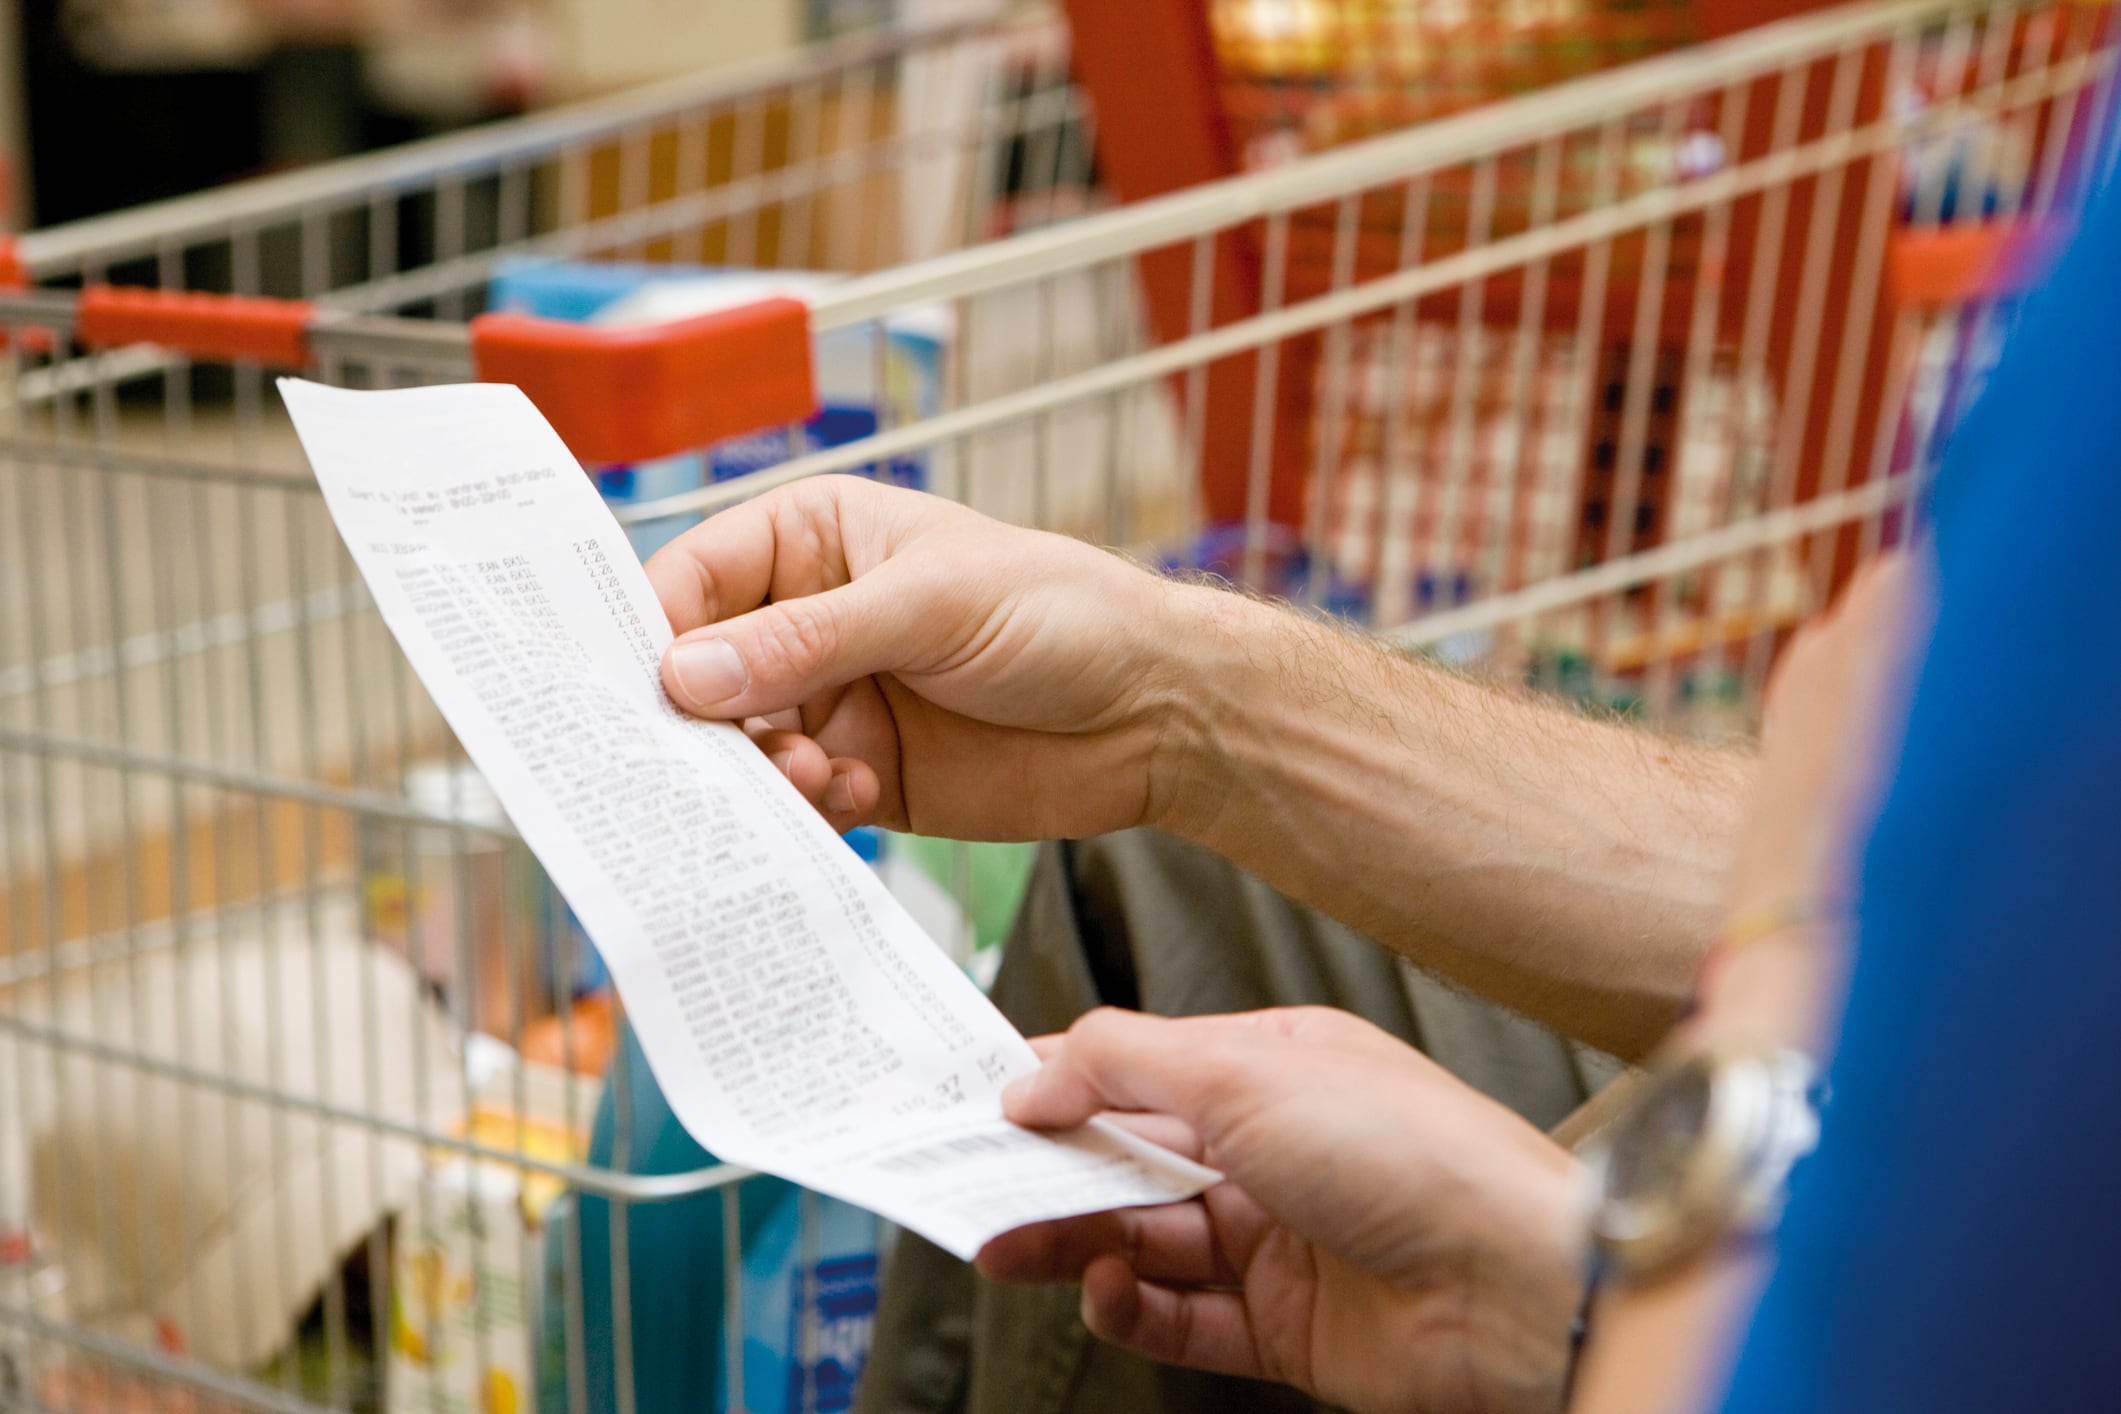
1192	1068
784	654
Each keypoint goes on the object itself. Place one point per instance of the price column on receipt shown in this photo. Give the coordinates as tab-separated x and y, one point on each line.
797	1019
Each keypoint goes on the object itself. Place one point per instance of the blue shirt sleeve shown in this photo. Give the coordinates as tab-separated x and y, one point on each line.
1955	1244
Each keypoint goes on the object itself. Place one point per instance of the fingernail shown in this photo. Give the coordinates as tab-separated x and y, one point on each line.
709	670
839	794
1017	1093
782	760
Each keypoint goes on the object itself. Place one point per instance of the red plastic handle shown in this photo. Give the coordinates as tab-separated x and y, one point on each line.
619	395
269	331
1948	265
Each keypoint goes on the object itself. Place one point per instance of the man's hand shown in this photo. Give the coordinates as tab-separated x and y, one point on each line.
1388	1239
911	662
908	661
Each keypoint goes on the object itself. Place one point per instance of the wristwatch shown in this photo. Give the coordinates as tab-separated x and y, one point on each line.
1702	1155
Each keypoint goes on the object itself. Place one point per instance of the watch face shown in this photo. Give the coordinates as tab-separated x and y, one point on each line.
1652	1144
1705	1151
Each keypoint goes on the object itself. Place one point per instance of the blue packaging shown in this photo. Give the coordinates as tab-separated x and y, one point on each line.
674	1264
809	1306
860	385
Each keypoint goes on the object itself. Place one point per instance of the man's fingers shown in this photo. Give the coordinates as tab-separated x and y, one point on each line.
1108	1060
843	790
795	756
1207	1330
786	543
851	793
720	567
1174	1243
1123	1060
1164	1131
766	608
1114	1060
785	653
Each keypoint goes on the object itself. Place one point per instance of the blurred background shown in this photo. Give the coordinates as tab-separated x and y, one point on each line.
88	88
1587	345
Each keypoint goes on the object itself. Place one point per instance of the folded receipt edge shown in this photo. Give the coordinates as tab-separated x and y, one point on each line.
439	433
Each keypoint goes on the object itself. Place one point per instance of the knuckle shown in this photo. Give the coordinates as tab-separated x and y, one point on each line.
1132	1241
798	638
1226	1078
1098	1027
1317	1020
1327	1027
799	497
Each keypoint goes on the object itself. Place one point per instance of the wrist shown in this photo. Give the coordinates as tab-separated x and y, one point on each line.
1535	1296
1204	693
1770	975
1794	917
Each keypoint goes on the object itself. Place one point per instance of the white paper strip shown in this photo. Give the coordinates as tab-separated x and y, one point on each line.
797	1019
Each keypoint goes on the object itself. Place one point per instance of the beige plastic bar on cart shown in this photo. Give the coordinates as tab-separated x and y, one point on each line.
798	1020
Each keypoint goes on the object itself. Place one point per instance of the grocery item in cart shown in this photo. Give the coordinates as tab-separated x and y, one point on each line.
465	1265
28	1281
807	1270
16	1243
811	1276
469	907
190	1201
651	1268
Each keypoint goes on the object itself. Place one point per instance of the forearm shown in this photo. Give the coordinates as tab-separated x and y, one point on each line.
1569	868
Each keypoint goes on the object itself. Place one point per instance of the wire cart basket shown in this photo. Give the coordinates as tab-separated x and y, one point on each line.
1600	388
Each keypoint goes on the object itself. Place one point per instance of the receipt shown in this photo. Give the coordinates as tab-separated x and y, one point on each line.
796	1018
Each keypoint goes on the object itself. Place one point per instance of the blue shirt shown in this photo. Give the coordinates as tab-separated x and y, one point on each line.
1955	1244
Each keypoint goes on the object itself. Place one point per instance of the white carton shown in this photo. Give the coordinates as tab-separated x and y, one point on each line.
466	1264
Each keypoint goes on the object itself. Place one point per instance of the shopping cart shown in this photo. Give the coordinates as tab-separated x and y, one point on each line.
1602	389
